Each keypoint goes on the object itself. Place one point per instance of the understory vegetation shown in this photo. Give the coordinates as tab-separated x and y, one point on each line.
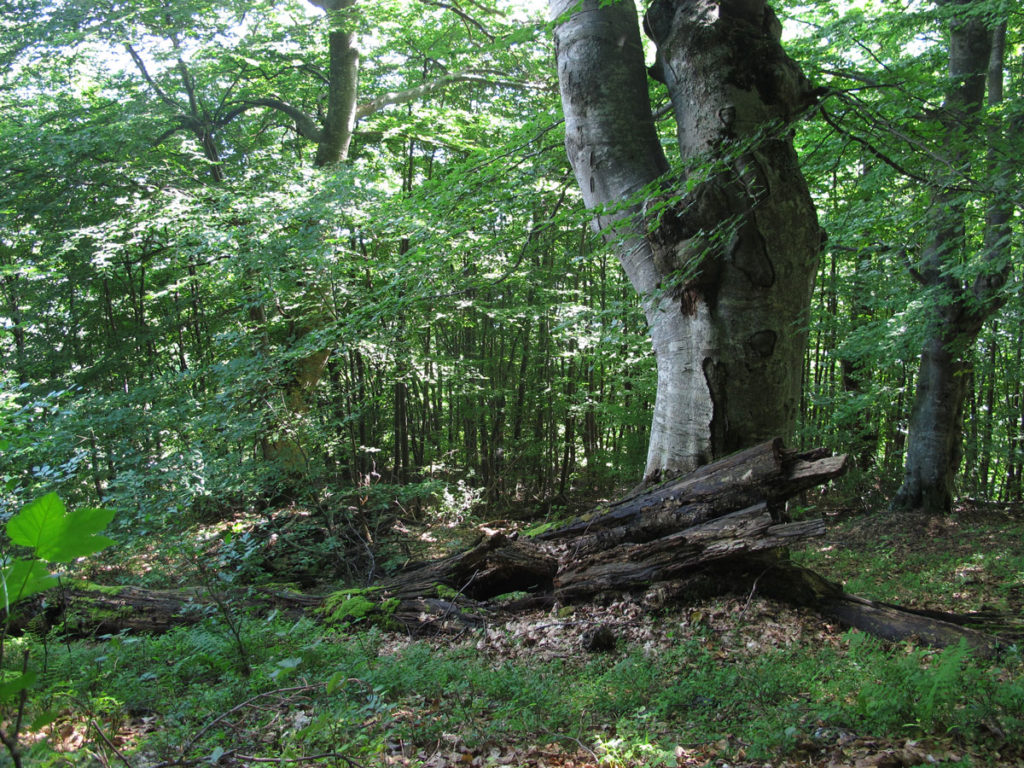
727	680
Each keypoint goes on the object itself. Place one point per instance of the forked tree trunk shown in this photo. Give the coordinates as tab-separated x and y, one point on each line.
723	255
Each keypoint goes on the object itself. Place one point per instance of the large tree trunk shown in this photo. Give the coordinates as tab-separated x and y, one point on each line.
725	270
936	422
286	449
936	426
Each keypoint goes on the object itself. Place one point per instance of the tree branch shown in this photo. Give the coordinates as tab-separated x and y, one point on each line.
305	125
872	149
462	15
141	65
419	91
168	133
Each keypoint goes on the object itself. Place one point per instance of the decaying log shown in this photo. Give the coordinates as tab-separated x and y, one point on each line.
787	581
629	565
726	509
764	473
725	522
497	565
90	611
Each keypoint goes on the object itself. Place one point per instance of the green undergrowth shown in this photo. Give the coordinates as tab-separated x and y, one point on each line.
183	696
351	606
972	560
235	687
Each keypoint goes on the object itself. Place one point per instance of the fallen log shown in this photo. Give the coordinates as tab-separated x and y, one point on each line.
764	473
779	578
81	609
630	566
725	522
728	508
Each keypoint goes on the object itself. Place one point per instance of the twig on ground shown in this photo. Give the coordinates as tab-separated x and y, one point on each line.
753	589
106	740
305	759
579	743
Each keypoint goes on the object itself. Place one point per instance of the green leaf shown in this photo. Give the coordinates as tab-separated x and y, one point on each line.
56	535
80	536
21	578
38	522
335	680
12	687
43	719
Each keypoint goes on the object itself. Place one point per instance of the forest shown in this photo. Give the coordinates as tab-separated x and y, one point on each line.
498	382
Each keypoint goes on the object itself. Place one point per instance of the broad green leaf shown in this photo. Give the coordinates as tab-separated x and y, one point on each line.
38	522
80	536
43	719
335	681
22	578
18	684
56	535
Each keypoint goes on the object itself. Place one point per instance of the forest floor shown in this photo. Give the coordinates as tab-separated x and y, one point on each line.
739	680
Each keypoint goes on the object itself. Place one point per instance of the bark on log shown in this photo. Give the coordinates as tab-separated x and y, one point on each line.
726	521
732	507
89	611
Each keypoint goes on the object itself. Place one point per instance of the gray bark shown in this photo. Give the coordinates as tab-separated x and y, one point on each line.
934	444
724	271
340	123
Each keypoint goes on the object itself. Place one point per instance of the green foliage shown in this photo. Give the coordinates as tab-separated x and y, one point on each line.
980	567
356	699
54	535
174	313
875	155
928	690
350	606
157	319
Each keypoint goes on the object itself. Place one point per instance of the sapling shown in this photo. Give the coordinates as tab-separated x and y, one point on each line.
52	535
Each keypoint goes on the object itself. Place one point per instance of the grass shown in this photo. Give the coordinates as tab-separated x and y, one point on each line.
970	561
737	681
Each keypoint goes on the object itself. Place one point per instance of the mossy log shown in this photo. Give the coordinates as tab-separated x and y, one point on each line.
725	524
87	610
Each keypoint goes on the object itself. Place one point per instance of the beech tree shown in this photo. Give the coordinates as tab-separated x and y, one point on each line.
723	253
961	303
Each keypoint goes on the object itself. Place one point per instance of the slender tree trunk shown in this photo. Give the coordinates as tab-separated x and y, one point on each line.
987	419
934	446
11	296
1012	484
724	271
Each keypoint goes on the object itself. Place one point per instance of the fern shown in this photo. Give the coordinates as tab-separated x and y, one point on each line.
938	685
